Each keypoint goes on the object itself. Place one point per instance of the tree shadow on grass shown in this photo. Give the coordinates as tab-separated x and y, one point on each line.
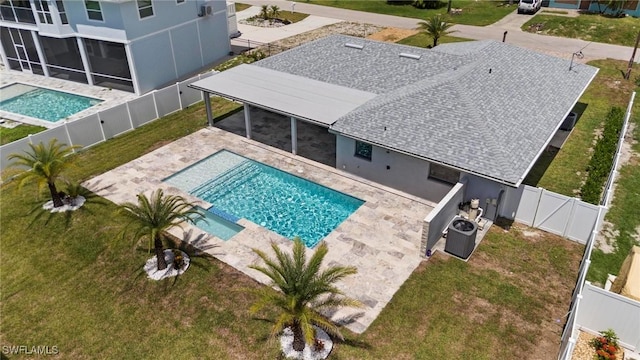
91	200
194	246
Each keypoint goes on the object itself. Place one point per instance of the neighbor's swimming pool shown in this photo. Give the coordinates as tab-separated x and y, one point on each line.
284	203
41	103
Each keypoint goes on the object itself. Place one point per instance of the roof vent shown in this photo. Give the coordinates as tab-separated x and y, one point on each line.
354	46
410	56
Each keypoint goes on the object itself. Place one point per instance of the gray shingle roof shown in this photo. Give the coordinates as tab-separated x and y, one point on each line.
484	107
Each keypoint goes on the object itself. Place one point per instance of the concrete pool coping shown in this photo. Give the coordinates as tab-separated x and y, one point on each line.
381	239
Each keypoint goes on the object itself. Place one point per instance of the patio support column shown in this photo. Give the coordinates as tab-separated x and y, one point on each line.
294	136
247	120
85	60
207	105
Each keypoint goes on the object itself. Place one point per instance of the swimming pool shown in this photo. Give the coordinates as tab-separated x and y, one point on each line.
217	225
41	103
284	203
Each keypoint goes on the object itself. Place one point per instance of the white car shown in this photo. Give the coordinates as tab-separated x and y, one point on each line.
529	6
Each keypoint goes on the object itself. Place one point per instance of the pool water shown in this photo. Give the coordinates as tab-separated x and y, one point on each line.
43	104
284	203
217	225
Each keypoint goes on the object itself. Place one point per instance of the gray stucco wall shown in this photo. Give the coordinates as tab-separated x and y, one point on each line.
483	189
165	14
153	61
166	56
405	173
440	217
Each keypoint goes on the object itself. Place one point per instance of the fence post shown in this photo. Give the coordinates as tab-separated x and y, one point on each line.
129	114
66	129
179	95
155	104
104	137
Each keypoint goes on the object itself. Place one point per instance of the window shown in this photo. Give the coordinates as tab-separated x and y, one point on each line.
363	150
443	173
62	12
94	12
42	8
145	8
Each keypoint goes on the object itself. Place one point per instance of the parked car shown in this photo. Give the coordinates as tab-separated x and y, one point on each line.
529	6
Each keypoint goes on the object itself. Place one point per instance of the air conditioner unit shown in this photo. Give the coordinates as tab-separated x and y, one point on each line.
204	10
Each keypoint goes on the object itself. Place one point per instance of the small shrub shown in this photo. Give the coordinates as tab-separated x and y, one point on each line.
603	157
427	4
606	346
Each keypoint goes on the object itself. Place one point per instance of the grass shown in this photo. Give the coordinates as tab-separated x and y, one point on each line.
484	12
589	27
495	306
8	135
294	17
423	40
559	12
241	6
564	172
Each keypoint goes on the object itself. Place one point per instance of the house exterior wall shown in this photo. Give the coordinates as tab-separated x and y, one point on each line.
632	7
175	39
184	49
405	173
485	190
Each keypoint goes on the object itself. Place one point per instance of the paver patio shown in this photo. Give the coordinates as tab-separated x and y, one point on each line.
381	239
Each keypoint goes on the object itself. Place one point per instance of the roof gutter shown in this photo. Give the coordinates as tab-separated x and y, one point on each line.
535	160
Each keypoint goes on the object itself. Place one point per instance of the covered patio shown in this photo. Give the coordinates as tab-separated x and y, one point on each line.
269	128
293	97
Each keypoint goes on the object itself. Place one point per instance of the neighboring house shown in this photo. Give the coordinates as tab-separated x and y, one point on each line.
130	45
630	7
415	119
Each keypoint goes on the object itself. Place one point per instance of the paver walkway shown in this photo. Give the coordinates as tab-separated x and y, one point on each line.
561	47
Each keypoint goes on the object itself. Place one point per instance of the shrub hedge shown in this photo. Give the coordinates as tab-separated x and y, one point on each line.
603	156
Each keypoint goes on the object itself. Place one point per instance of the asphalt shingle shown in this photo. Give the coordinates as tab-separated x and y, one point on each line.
483	107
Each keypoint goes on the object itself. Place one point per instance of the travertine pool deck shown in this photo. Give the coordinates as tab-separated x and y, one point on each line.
381	239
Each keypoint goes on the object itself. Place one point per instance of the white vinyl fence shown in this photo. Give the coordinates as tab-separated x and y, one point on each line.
558	214
592	308
113	121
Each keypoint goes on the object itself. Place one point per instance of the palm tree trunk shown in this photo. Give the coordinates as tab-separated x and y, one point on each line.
162	263
57	201
298	338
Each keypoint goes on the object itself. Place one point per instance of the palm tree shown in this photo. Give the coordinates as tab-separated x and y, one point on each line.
304	292
274	11
151	217
264	12
436	27
45	164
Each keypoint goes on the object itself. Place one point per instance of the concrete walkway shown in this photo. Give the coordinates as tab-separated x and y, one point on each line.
561	47
267	35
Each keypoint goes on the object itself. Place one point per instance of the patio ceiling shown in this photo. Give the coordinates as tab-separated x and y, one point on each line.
292	95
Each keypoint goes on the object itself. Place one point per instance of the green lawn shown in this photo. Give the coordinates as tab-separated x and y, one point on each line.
566	170
424	40
80	289
241	6
589	27
563	172
482	12
21	131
